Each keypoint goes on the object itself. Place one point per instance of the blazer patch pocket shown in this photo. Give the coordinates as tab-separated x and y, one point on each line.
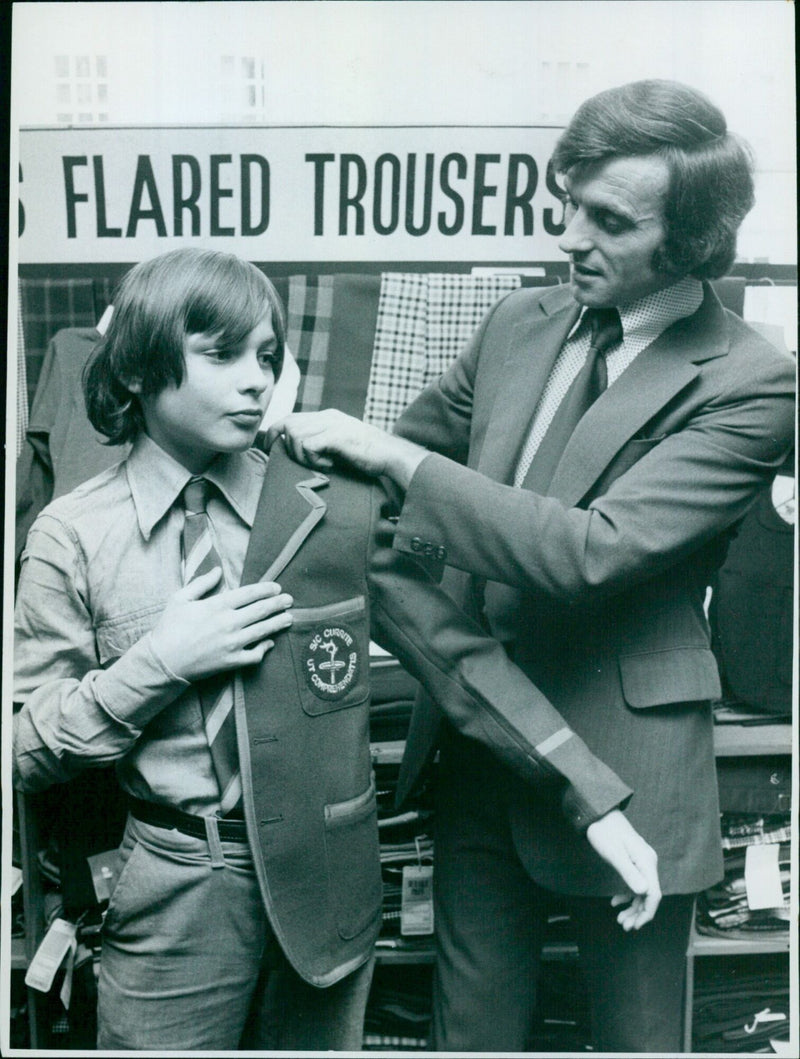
353	857
330	652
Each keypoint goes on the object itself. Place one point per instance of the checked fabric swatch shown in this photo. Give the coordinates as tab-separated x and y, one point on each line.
424	320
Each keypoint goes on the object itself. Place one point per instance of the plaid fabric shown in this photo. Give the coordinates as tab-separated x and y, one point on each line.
22	378
456	306
308	317
398	359
424	320
51	304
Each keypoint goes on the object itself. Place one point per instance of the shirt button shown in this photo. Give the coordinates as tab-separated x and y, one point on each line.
441	552
416	544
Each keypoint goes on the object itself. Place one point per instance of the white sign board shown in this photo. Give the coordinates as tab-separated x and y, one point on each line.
413	193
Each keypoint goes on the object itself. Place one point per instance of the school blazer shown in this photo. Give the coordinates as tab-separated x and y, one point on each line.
603	580
303	713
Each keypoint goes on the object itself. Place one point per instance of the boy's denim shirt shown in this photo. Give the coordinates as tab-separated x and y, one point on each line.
98	568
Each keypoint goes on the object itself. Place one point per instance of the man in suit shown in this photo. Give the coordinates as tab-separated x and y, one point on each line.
581	472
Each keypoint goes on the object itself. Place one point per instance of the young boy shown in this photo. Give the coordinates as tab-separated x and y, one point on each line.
152	632
114	640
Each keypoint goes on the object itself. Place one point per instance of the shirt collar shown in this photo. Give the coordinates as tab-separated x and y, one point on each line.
654	313
156	481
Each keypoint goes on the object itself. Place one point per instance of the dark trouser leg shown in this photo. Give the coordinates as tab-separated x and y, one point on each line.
636	979
291	1015
490	917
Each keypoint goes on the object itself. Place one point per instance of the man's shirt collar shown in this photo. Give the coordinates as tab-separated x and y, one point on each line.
156	481
647	317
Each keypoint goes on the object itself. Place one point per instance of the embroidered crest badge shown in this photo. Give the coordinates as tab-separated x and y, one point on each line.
331	661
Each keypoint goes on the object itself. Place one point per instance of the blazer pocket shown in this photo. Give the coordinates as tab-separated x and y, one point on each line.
353	858
675	674
330	653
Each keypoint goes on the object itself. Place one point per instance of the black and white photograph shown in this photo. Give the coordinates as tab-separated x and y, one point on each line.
399	648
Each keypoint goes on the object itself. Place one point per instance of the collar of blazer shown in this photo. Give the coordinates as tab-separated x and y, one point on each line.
288	510
657	374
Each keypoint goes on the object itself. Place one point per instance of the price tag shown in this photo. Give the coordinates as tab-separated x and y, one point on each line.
57	942
762	876
416	903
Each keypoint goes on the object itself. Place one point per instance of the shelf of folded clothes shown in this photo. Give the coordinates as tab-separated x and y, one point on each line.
398	1014
742	1004
738	910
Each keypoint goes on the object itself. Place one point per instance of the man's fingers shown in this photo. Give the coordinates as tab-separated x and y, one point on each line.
273	432
633	878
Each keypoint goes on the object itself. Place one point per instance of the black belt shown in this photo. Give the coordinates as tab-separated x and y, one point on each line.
230	830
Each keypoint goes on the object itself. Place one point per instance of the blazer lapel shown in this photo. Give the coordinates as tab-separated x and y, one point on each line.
533	347
288	510
656	376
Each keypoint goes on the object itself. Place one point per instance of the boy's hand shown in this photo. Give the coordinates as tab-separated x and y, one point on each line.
196	637
615	839
314	438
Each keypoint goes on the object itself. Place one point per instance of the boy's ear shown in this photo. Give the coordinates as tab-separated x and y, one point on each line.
134	385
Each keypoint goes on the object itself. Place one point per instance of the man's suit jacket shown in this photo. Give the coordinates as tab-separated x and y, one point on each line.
302	713
603	579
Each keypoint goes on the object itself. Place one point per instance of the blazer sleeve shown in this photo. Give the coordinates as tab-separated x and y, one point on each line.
690	487
481	692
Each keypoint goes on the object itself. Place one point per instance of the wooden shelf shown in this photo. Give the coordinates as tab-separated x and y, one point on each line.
738	944
742	740
387	753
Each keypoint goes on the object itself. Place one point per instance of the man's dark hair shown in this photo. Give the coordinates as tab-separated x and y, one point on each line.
711	183
160	302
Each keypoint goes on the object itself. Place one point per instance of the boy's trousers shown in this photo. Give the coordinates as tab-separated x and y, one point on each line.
189	961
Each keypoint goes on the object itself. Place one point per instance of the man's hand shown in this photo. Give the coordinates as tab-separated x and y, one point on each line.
316	438
195	637
618	843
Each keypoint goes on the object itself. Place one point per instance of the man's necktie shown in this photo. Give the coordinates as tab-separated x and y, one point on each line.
500	602
536	466
215	692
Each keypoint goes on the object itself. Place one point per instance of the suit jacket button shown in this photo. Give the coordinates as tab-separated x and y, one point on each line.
416	544
441	552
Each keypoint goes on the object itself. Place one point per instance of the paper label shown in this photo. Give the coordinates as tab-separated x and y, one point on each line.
56	943
416	907
762	876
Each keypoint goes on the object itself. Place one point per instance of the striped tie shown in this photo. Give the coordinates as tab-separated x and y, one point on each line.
216	693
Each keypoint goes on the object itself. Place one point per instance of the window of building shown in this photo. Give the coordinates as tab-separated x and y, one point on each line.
102	92
84	93
82	66
63	94
101	65
62	65
65	119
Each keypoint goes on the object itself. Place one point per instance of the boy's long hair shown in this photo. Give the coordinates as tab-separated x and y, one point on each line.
160	302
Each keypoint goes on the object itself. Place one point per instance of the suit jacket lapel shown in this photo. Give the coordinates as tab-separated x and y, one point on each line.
533	347
657	374
288	510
